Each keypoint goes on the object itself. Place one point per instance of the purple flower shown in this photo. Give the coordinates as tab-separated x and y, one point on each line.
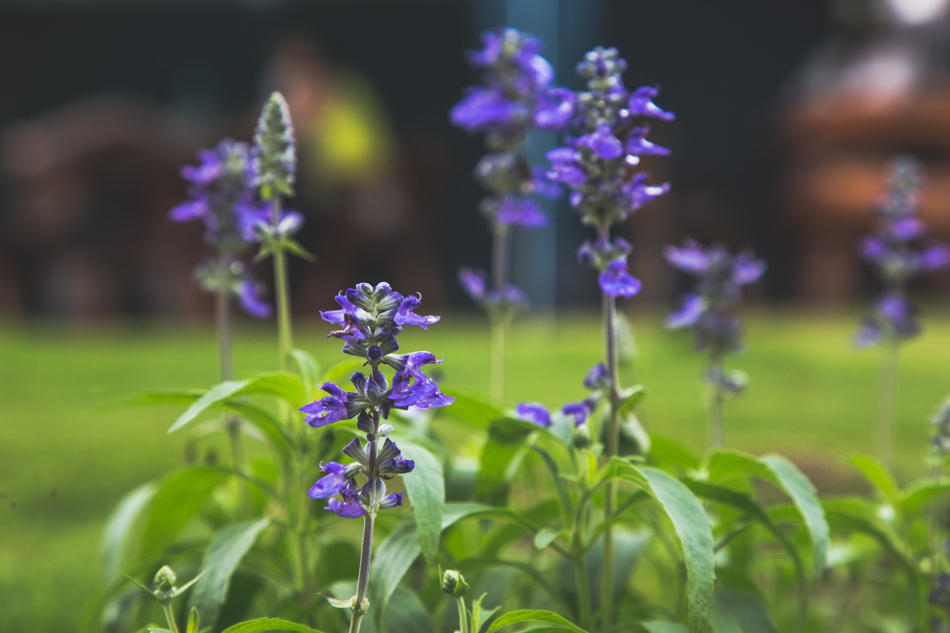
534	412
406	316
349	507
333	483
391	501
933	257
482	109
249	294
638	192
413	391
598	378
690	258
638	145
390	461
542	186
692	308
641	104
554	109
519	211
329	409
746	268
475	283
579	411
602	143
617	282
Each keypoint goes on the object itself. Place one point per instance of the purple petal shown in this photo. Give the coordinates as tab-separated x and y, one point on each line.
579	411
554	109
638	144
349	508
872	248
534	412
290	223
249	294
406	316
641	104
598	377
475	283
690	258
602	142
391	501
617	282
516	211
746	268
189	210
934	257
688	314
640	193
331	484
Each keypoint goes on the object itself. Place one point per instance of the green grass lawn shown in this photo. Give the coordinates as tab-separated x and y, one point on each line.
65	460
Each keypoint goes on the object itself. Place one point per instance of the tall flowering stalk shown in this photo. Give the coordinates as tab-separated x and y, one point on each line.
710	311
371	318
221	196
895	250
515	96
599	167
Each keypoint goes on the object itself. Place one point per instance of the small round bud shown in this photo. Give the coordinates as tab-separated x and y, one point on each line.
581	438
454	584
165	579
385	430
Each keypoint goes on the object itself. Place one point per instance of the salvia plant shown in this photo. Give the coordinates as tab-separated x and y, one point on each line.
565	519
710	311
897	251
516	95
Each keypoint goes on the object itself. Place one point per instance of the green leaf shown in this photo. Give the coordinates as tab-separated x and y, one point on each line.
471	409
692	529
746	611
480	616
668	451
309	372
294	248
178	499
338	603
745	503
545	537
268	624
501	456
533	615
780	472
396	554
341	372
922	495
406	614
632	396
878	476
222	557
281	384
426	488
265	422
723	621
119	526
193	620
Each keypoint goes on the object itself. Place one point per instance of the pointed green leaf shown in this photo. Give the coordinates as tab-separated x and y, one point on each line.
426	488
545	537
632	396
501	456
922	495
338	603
878	476
309	372
534	615
280	384
115	537
268	624
178	499
193	619
471	409
692	529
221	559
294	248
746	610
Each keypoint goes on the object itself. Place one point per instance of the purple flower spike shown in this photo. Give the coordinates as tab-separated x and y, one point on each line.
534	412
249	295
475	283
332	484
641	104
350	507
617	282
329	409
602	142
520	212
406	316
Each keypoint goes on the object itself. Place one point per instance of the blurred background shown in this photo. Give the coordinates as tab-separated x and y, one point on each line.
787	114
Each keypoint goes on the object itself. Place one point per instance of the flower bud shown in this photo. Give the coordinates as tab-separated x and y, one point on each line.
165	579
454	584
581	437
385	430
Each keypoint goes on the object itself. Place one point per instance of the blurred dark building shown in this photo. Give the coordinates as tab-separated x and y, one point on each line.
787	111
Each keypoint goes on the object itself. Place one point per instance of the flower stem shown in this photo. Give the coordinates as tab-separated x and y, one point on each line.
609	309
284	331
498	321
361	603
888	402
717	419
170	617
463	616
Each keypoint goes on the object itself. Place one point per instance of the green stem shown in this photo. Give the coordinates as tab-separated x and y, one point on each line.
361	604
170	617
717	420
499	322
888	402
583	592
284	332
463	616
609	309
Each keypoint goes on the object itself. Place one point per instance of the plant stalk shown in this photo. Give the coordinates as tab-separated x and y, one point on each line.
463	617
499	322
888	402
609	309
717	419
170	617
366	552
284	332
